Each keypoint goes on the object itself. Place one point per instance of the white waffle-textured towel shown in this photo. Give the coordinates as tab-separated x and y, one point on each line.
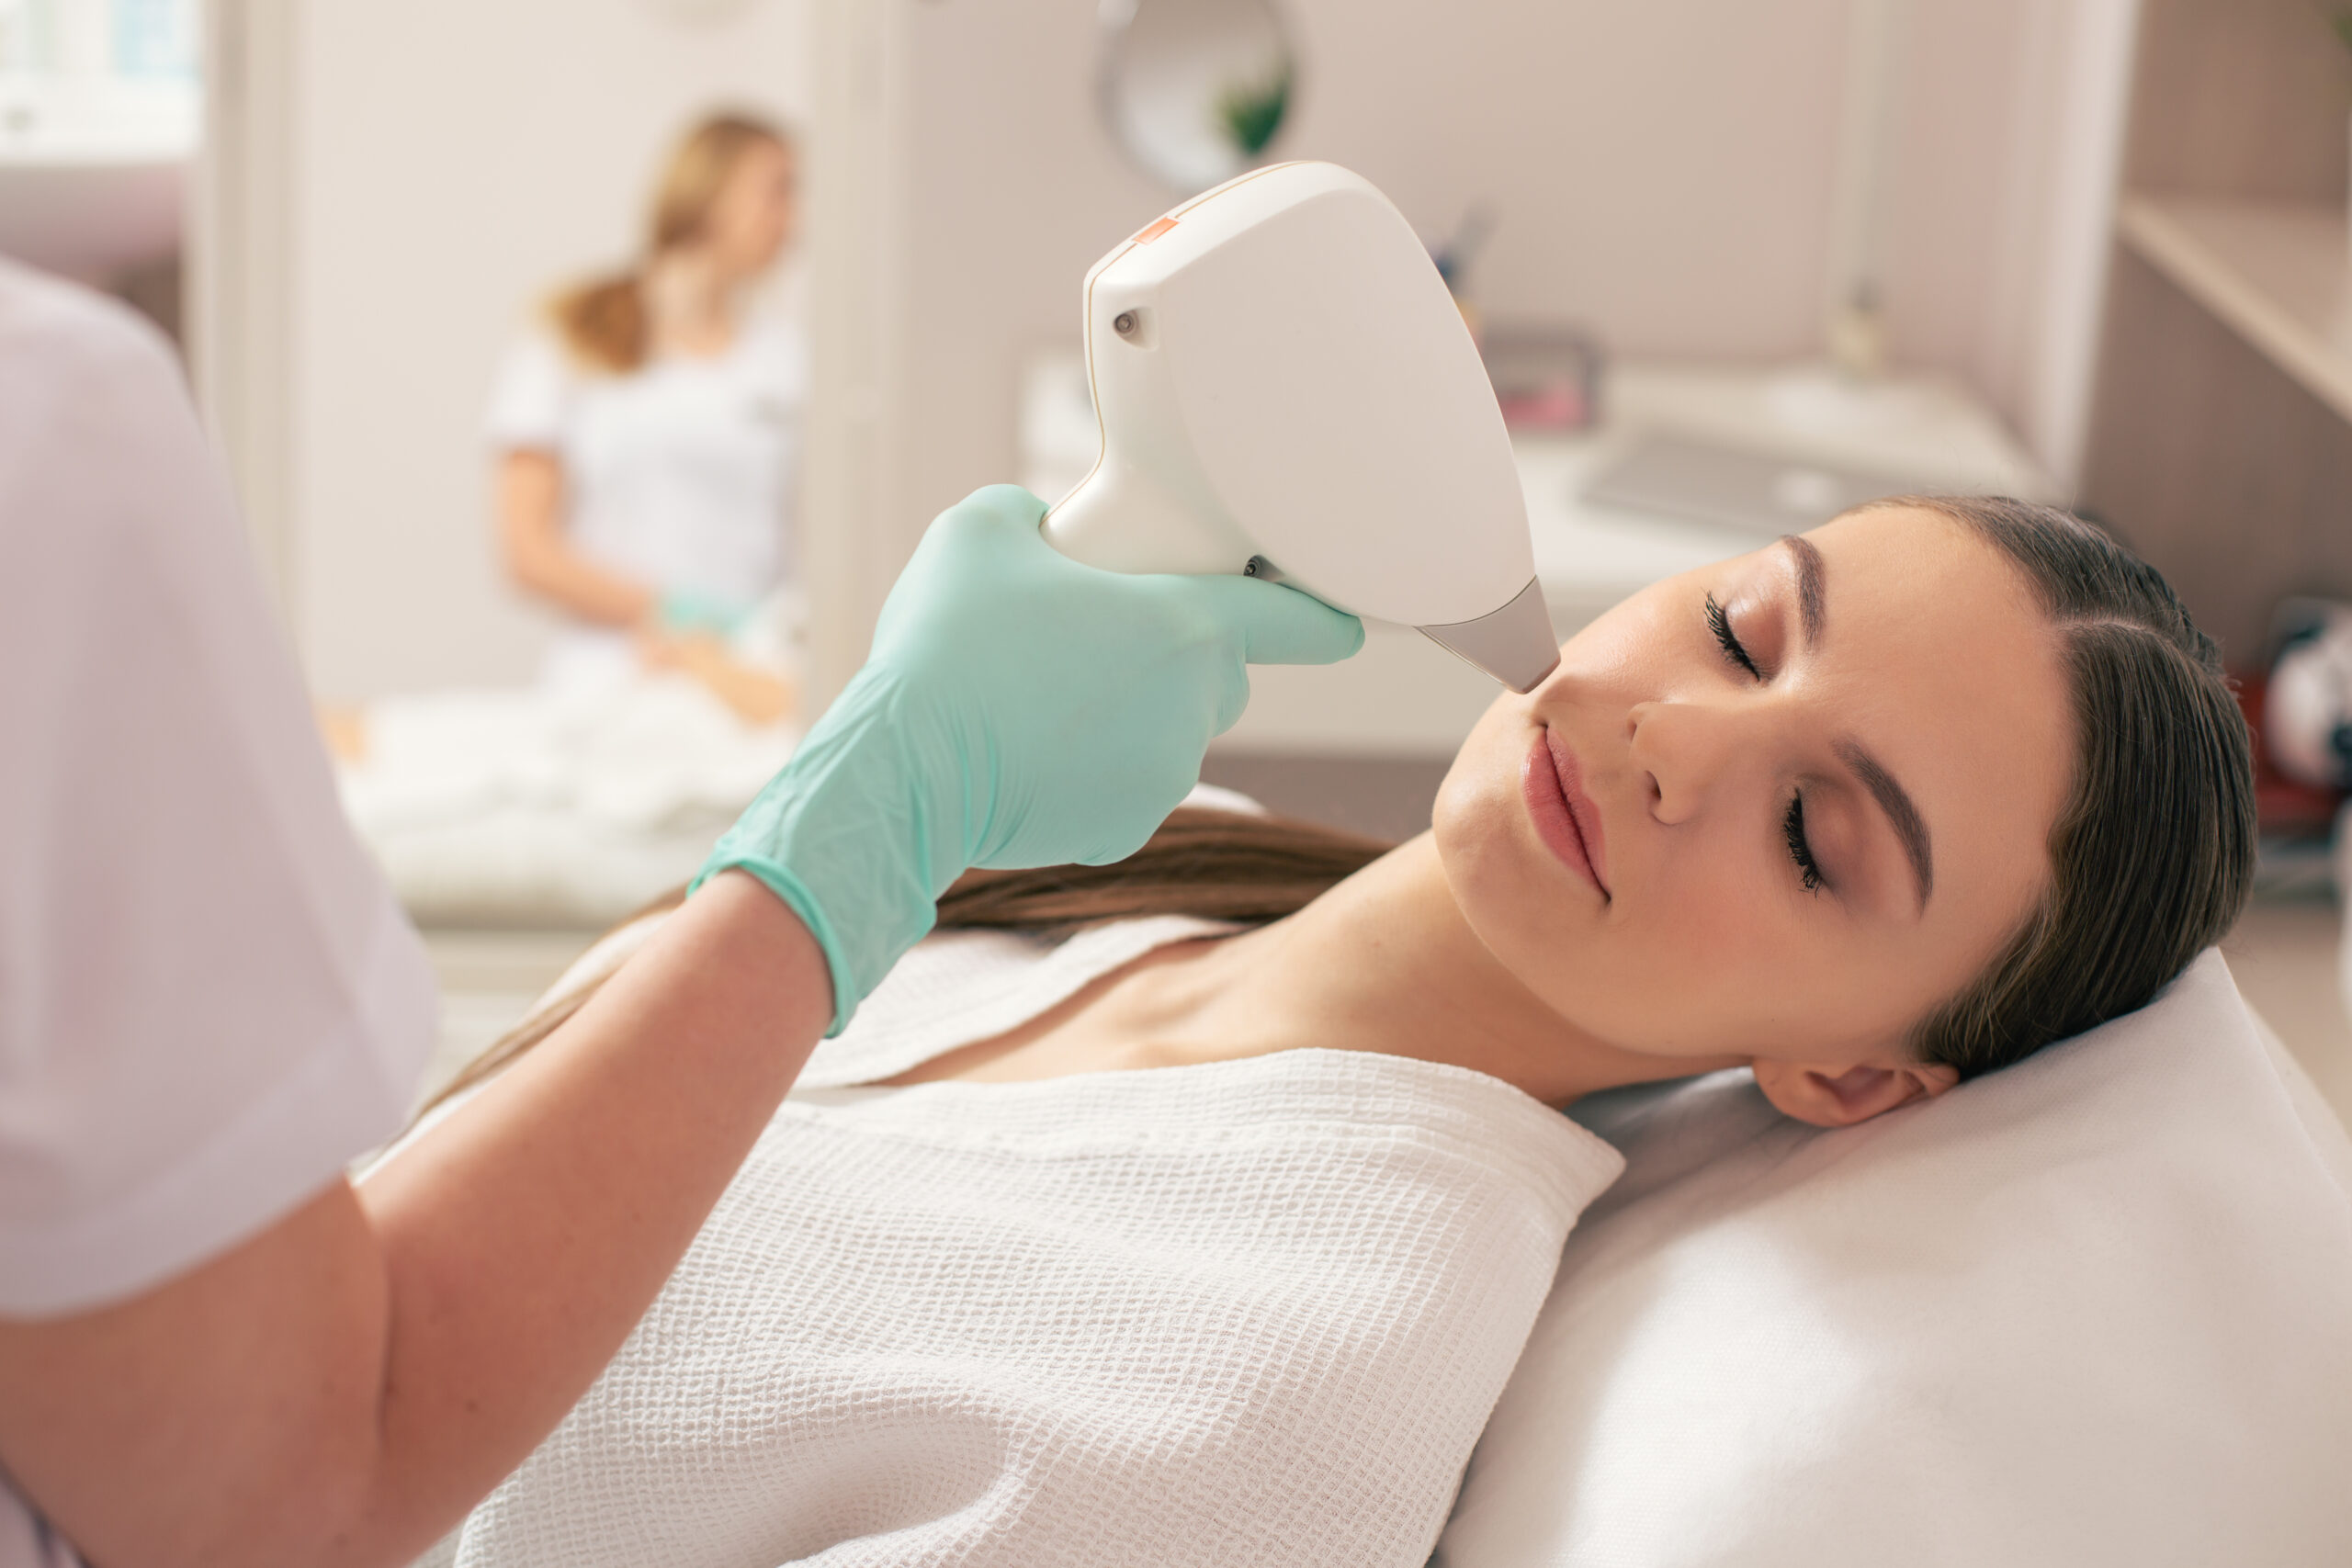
1255	1312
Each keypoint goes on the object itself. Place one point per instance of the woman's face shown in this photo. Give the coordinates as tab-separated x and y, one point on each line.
753	216
1779	808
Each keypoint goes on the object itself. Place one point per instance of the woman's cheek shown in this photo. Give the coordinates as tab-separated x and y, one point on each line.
1711	929
1635	637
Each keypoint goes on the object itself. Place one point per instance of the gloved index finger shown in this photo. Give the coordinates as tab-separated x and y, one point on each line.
1282	625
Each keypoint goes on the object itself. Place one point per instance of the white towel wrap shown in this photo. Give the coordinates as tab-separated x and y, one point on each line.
1255	1312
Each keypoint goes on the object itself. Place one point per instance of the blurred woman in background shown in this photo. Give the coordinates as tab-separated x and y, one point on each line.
648	431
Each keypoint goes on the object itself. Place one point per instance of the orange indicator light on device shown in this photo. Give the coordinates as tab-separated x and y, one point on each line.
1147	235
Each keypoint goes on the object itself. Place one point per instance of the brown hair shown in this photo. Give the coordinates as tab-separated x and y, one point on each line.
604	321
2152	857
1219	865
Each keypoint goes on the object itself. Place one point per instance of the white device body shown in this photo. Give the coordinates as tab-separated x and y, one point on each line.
1286	387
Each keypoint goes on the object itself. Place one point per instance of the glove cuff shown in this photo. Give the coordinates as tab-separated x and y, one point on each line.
840	959
849	836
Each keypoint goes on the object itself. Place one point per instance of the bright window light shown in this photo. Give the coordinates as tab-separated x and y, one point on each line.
98	81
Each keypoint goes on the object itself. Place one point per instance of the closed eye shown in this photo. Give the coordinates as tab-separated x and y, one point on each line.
1720	623
1800	846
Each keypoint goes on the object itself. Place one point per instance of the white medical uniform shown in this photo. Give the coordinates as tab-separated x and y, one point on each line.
208	1001
681	475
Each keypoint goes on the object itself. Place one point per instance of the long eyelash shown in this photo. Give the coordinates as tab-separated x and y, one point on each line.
1792	830
1720	623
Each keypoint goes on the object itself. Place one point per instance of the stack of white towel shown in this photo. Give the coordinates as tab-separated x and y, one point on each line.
552	806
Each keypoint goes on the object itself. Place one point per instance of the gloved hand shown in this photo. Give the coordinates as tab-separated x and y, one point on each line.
685	611
1018	709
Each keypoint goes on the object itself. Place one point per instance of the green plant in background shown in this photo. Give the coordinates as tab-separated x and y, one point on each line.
1252	113
2339	19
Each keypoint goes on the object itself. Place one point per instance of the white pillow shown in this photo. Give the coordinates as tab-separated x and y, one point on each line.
2096	1308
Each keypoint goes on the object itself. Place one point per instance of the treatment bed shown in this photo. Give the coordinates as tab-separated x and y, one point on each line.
2094	1308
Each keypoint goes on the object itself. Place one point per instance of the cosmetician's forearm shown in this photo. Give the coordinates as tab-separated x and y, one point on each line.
525	1237
539	556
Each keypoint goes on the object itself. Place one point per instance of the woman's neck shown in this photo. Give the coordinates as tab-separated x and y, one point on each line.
1382	962
1385	962
691	302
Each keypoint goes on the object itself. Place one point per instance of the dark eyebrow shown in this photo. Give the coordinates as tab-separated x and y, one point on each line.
1893	799
1811	576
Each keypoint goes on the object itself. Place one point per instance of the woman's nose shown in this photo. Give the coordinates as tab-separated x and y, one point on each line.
1682	752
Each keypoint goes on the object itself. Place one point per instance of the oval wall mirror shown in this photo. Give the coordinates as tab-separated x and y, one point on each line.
1196	90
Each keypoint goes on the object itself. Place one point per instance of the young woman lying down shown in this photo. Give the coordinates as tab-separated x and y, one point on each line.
1871	811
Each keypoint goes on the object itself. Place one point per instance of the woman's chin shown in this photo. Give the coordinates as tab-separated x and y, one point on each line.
1493	863
1466	817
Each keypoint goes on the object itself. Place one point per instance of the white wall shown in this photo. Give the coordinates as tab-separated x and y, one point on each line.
1663	171
2009	147
455	160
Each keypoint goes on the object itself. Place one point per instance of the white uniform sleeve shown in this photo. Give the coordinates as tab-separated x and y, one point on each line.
208	1001
532	399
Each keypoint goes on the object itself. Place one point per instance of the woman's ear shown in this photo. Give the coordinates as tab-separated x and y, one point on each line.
1839	1097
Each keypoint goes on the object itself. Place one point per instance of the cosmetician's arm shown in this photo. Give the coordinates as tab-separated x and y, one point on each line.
344	1387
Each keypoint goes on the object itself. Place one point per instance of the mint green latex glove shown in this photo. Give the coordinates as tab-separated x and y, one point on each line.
686	610
1018	709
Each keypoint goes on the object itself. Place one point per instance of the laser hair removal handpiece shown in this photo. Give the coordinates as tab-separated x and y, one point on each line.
1286	388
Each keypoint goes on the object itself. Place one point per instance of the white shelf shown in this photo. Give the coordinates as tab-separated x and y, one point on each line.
101	122
2280	277
1925	430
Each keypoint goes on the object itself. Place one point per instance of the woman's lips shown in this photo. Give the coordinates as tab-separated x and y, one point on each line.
1563	815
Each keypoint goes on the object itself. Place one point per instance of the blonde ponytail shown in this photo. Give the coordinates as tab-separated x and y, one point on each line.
605	322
